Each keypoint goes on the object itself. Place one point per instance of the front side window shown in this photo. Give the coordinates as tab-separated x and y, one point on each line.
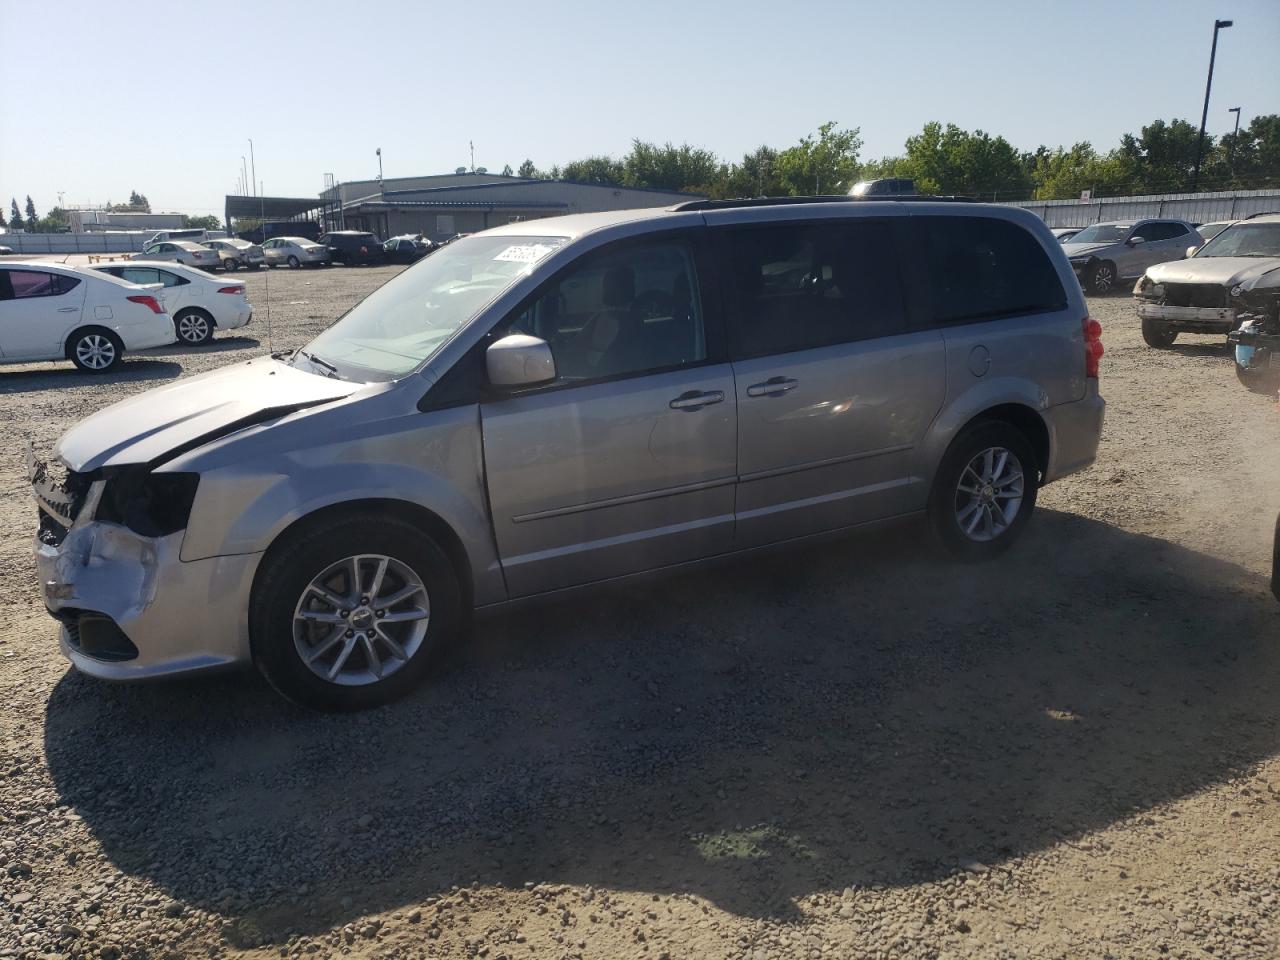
1102	233
154	248
33	283
982	268
802	286
399	326
626	310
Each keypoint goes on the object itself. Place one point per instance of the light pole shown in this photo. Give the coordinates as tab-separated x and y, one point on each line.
253	167
1204	114
1235	135
244	170
379	152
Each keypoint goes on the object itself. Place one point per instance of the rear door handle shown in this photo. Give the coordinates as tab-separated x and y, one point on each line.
697	399
68	309
773	387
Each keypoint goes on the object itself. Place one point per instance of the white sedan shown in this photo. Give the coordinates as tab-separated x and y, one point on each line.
52	312
199	303
181	251
236	253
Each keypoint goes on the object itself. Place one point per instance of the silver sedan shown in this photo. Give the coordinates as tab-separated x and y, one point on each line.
294	252
181	251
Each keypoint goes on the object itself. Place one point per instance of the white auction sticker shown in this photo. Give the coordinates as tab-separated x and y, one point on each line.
524	253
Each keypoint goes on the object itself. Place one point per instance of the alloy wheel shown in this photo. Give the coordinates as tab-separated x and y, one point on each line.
361	619
193	327
1103	278
989	494
95	351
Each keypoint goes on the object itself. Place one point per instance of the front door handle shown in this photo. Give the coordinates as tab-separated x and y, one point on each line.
773	387
68	309
697	399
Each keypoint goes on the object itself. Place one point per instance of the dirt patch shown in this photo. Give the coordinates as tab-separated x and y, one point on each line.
854	750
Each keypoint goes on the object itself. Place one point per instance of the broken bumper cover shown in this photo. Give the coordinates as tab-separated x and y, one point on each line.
172	617
1191	319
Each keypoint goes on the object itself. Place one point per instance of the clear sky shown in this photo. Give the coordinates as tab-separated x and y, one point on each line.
103	97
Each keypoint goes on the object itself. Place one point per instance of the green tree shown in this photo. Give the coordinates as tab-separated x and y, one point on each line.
206	222
669	167
755	176
1250	160
139	201
597	169
949	160
55	221
825	163
1163	155
15	218
528	170
3	222
31	215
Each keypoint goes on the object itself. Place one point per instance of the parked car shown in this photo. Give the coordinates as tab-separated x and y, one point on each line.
1233	278
52	312
5	251
1208	231
407	249
1105	254
557	402
353	246
198	303
235	253
192	234
180	251
1063	234
294	252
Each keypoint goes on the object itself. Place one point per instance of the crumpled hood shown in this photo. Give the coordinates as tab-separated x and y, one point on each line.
1085	249
1227	271
191	411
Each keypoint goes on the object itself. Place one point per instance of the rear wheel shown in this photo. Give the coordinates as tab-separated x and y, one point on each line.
231	265
353	613
1101	279
984	491
1157	334
194	327
95	350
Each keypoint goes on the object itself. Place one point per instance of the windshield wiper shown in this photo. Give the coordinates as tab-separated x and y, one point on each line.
323	364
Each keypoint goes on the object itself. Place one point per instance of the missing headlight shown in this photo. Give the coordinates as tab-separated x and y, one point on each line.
149	504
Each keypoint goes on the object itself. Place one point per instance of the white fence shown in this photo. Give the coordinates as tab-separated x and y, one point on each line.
1195	207
74	242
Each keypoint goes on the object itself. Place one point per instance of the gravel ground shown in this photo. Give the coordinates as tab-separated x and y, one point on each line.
858	750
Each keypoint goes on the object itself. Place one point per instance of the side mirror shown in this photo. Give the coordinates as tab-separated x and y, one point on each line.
1134	241
1191	252
518	360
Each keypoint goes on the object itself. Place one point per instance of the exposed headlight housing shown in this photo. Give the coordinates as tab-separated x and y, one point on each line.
149	504
1235	291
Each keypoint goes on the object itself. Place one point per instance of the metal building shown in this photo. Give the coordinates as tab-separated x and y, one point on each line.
441	206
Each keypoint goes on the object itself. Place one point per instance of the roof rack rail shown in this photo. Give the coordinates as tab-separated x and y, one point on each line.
796	201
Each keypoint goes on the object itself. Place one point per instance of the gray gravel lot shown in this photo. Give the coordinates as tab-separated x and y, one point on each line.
855	750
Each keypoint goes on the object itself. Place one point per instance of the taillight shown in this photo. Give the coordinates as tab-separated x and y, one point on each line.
1092	346
147	301
231	289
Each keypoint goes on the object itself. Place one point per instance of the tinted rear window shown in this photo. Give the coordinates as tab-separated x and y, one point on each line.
981	268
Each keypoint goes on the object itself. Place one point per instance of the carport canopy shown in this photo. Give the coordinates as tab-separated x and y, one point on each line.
269	208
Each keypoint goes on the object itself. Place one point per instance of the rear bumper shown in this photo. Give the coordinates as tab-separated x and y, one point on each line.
144	336
1075	430
1192	319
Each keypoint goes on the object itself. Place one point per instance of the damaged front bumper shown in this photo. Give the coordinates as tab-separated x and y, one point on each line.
1189	319
128	606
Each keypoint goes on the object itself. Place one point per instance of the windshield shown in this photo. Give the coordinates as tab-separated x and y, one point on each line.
1245	240
401	324
1102	233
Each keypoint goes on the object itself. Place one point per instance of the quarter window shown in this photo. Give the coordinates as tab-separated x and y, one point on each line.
981	268
811	285
624	311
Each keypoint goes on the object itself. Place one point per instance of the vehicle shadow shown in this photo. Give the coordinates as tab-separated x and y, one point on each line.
132	370
865	712
1203	348
216	345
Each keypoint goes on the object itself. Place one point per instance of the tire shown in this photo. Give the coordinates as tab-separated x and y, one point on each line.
958	491
294	263
1157	334
193	327
95	350
288	616
1264	380
1101	279
231	265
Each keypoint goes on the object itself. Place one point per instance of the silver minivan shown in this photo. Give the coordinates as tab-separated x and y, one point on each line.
558	402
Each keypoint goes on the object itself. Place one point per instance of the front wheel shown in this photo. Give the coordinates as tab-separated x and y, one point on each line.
1259	377
231	266
294	262
984	491
95	350
1157	334
353	613
1101	279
